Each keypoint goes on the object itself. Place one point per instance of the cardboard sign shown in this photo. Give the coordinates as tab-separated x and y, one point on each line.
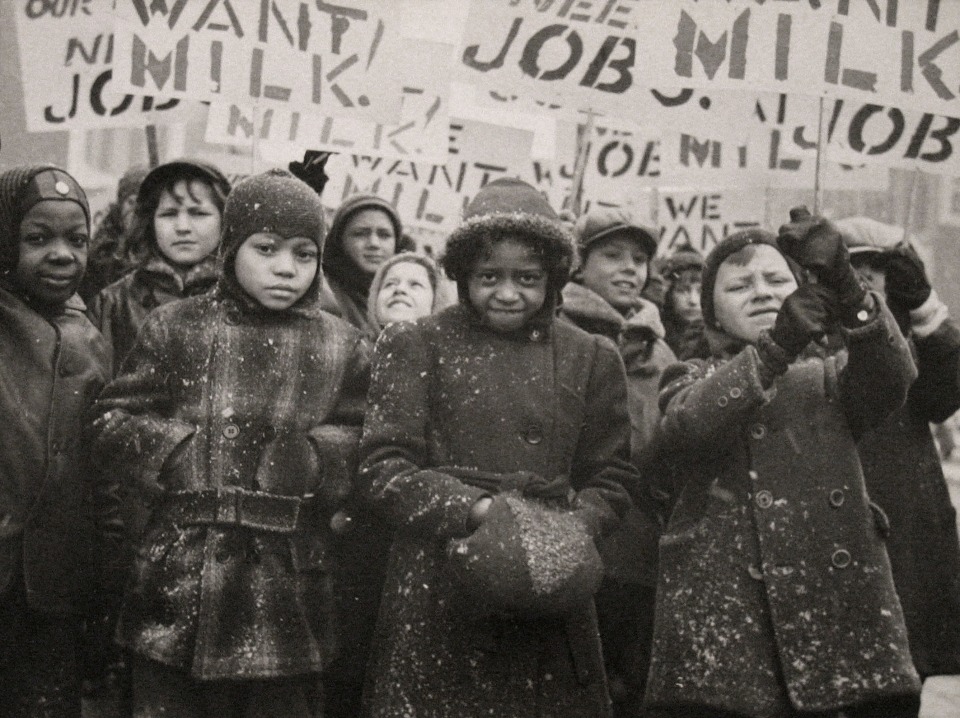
432	195
340	58
701	218
901	53
67	50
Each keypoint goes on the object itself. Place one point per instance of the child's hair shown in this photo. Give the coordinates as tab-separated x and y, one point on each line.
433	274
509	209
20	189
143	239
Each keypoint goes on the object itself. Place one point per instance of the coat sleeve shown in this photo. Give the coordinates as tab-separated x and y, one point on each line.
875	373
393	450
935	395
136	430
601	470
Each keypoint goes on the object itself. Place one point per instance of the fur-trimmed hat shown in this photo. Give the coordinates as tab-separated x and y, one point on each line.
510	208
275	202
604	222
683	258
20	189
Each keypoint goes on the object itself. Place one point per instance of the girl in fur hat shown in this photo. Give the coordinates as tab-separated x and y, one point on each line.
236	420
775	597
486	402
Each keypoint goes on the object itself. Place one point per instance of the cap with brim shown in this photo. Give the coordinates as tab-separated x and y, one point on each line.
600	224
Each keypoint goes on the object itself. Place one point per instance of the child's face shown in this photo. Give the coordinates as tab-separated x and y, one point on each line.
508	285
616	269
369	239
274	270
750	289
406	293
685	295
53	250
187	223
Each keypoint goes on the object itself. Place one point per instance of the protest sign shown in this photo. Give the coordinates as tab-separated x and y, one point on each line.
701	218
422	133
66	55
905	54
434	195
338	59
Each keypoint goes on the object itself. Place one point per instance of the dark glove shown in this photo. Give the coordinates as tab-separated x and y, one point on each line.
803	318
907	286
311	169
816	245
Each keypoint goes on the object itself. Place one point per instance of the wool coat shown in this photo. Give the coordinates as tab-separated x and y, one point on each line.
54	366
447	392
120	308
239	429
904	476
775	592
629	552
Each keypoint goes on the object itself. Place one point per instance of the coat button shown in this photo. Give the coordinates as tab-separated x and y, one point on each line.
841	558
533	434
758	431
736	393
231	431
764	499
836	498
722	401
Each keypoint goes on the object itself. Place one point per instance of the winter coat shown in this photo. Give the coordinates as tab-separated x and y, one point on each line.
263	410
904	476
448	392
54	365
350	305
630	552
120	309
775	591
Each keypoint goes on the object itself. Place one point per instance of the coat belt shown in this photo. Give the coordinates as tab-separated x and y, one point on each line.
233	506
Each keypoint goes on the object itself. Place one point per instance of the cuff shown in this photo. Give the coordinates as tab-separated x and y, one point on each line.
927	318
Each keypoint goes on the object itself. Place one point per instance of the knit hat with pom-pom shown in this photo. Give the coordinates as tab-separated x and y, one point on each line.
275	202
20	189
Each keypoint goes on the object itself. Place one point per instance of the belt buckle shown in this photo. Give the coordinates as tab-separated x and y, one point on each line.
228	506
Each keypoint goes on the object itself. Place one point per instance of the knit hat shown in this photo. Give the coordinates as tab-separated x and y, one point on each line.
510	208
684	258
600	223
333	261
276	202
20	189
729	246
864	236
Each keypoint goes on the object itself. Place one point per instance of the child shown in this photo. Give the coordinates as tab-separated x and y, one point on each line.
490	395
900	460
364	233
605	298
774	595
682	315
54	363
176	232
236	418
406	287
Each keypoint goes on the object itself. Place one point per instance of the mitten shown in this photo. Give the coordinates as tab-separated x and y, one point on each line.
803	318
311	169
907	286
817	246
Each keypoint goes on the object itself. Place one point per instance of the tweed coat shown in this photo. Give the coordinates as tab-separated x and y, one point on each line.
120	308
448	392
904	476
775	591
248	410
54	365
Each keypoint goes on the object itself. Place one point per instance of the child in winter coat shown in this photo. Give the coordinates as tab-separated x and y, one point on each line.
176	233
486	401
53	363
604	297
900	460
236	418
775	596
682	314
364	233
406	287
